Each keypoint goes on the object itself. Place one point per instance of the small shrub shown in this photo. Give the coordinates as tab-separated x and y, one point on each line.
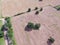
37	26
7	19
30	25
10	33
8	24
10	30
1	34
51	40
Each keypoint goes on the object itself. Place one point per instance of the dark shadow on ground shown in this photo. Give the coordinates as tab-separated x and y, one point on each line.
48	42
40	0
27	29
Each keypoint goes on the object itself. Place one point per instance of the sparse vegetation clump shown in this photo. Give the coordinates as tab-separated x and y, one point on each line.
37	26
1	34
2	40
8	24
10	33
57	7
31	25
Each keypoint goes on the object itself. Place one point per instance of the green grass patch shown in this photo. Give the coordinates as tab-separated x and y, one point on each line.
10	30
14	42
0	24
2	42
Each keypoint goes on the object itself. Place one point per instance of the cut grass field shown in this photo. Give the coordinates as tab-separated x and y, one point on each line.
48	18
2	42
